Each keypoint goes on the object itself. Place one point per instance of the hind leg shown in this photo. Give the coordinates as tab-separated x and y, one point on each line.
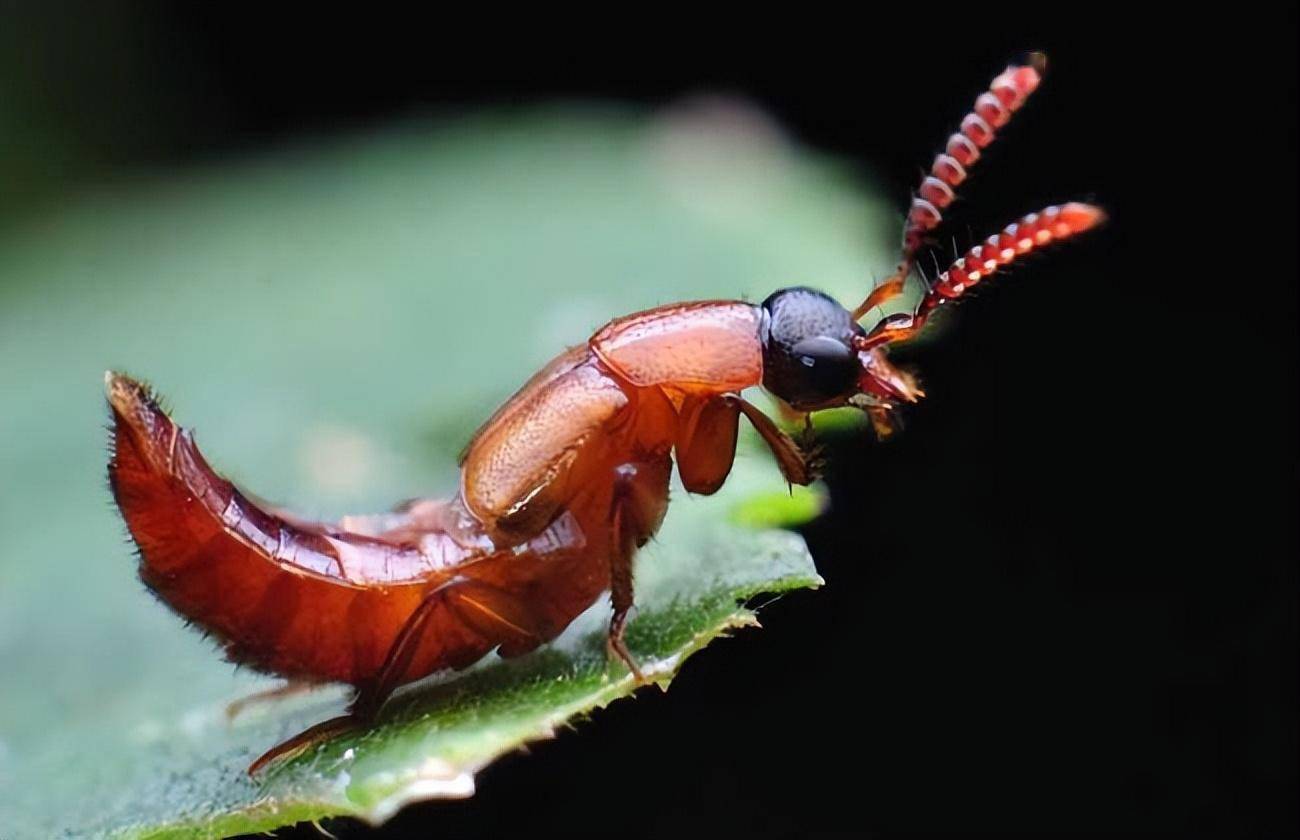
488	611
288	688
492	613
369	698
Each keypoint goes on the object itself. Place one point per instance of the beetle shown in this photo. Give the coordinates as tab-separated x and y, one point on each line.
558	489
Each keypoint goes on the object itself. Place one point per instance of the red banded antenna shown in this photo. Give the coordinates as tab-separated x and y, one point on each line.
992	110
1033	231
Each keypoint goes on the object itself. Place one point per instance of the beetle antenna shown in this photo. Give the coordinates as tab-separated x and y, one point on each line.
992	110
1029	233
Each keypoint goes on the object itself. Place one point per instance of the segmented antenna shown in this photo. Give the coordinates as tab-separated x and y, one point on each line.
992	110
1035	230
1031	232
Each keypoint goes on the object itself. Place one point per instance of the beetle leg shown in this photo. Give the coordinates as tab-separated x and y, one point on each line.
636	508
498	614
885	422
483	608
796	464
621	596
305	739
487	610
371	696
706	443
288	688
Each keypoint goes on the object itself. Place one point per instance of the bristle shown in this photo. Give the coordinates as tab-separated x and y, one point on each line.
1033	231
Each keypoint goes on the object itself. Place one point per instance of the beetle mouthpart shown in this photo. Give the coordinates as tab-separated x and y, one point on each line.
881	379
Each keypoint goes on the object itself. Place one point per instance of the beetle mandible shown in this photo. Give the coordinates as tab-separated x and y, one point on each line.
558	489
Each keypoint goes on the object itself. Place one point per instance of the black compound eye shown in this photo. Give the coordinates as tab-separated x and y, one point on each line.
830	366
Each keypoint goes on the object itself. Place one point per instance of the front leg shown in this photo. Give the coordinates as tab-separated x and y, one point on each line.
796	465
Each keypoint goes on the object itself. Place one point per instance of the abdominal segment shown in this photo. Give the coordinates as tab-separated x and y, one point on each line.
305	599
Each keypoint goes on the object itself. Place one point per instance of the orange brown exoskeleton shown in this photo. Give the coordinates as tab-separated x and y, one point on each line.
558	489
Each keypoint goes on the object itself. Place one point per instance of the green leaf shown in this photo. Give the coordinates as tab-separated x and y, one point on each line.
334	321
776	509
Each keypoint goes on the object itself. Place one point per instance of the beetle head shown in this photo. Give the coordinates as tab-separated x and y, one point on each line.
814	356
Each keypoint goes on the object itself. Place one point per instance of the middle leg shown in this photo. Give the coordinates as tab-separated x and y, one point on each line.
637	506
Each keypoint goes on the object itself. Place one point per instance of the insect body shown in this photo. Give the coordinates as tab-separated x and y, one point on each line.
558	489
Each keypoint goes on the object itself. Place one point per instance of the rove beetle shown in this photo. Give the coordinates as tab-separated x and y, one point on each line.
558	489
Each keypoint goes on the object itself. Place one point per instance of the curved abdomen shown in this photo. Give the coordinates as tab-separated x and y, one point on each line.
306	599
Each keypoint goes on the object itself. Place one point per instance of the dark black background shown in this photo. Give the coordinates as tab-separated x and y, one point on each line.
1065	597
